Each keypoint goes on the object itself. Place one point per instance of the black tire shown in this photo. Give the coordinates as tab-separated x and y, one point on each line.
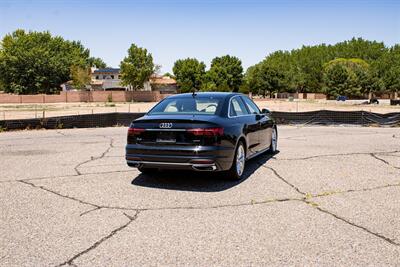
232	174
273	147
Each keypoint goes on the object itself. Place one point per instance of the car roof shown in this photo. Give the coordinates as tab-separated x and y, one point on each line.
207	94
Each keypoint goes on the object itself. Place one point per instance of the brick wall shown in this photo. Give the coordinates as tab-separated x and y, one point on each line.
55	98
311	96
6	98
86	96
316	96
100	96
32	98
77	96
120	96
146	96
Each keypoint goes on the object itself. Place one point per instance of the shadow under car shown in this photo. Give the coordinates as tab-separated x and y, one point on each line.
197	181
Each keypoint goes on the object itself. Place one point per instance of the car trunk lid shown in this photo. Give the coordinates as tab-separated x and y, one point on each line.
175	130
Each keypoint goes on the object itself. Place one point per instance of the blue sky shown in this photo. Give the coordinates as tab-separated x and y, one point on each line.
171	30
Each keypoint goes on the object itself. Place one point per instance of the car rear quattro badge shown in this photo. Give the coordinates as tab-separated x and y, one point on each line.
165	125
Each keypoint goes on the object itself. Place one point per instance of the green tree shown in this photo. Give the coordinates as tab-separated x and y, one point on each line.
80	77
303	70
346	77
96	62
167	74
225	74
358	48
37	62
189	74
137	67
387	68
263	79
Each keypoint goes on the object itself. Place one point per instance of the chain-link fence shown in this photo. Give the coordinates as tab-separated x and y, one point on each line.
329	117
321	117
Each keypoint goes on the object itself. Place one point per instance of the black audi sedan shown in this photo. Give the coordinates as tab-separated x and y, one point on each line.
215	132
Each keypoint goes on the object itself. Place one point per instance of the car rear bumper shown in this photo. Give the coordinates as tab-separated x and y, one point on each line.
199	158
174	165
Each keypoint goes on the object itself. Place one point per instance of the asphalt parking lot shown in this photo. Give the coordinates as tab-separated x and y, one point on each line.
331	196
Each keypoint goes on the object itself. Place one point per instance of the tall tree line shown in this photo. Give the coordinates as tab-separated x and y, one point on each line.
225	74
353	68
37	62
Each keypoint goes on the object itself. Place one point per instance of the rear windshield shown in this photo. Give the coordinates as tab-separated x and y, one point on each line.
188	105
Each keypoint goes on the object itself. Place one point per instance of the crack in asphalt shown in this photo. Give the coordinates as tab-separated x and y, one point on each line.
341	154
57	136
58	194
61	133
105	238
389	240
88	211
97	207
282	179
251	203
104	154
334	133
62	176
307	199
330	193
92	158
383	160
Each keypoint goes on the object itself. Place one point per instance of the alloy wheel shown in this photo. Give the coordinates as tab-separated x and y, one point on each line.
240	160
274	140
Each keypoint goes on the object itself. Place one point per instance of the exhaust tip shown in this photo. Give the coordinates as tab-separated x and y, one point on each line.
199	167
133	164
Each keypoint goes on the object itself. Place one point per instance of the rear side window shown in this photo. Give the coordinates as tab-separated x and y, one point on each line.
237	108
251	106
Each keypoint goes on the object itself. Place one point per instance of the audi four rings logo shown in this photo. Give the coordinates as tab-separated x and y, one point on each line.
165	125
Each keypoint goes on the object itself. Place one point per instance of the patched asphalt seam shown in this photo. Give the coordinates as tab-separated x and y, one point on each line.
103	239
76	168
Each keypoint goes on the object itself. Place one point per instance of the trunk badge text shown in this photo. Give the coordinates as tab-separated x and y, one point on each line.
165	125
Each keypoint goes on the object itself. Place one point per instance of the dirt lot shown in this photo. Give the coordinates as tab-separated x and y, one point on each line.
331	196
23	111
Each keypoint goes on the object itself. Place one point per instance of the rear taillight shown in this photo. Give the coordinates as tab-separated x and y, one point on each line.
206	131
135	131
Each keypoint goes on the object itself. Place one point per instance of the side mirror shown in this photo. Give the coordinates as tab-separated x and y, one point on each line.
259	116
265	111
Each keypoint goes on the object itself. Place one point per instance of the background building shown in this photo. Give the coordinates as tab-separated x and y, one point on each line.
164	84
106	79
110	79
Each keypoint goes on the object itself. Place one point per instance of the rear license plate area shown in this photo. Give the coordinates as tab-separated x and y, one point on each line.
166	137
